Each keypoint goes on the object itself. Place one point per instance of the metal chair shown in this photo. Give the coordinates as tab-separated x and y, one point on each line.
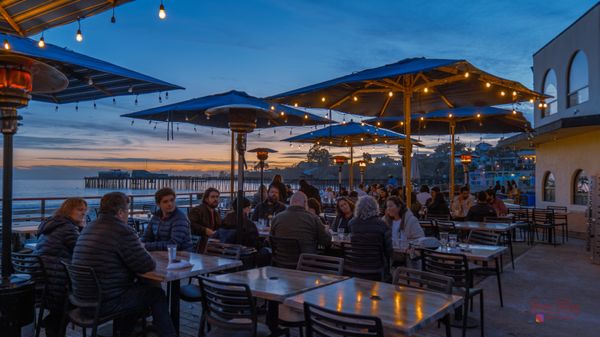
445	226
228	306
455	266
286	252
364	259
329	323
429	227
544	219
561	219
85	295
33	266
413	278
522	214
487	238
433	216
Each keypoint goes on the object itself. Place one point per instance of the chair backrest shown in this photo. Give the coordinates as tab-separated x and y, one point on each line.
286	252
429	227
493	219
364	258
84	287
433	216
226	250
321	264
484	238
422	280
542	216
558	208
447	264
331	323
228	305
31	265
445	226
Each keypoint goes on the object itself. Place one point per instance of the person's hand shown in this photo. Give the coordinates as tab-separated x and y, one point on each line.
209	232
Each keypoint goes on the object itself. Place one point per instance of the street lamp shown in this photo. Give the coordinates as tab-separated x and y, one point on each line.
466	159
340	161
262	153
362	166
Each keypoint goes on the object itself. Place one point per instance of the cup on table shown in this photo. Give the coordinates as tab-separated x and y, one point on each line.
262	223
444	239
452	240
172	252
341	232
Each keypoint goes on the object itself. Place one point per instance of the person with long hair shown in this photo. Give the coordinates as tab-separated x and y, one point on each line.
401	220
437	205
314	207
205	218
57	236
344	208
367	225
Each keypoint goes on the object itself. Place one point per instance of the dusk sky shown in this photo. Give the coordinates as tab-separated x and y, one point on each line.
262	47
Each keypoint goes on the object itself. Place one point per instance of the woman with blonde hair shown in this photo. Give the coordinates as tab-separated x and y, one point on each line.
57	236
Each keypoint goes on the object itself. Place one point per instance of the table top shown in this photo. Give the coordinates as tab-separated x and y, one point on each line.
475	252
276	284
25	229
488	226
201	264
401	309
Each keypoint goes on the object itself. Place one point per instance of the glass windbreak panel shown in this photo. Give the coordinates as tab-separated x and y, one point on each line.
578	79
550	89
549	187
578	97
582	188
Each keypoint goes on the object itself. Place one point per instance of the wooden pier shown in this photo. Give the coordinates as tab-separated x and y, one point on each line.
188	183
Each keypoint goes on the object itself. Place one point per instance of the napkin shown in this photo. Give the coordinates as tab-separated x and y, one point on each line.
178	265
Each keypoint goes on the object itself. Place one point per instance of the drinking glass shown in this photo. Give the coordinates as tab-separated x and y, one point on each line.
452	240
172	252
341	232
444	239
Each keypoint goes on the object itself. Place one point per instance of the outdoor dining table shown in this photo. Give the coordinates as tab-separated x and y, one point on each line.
402	310
22	229
276	284
200	264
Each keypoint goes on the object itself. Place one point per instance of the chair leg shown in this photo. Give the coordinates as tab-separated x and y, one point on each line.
481	313
446	320
40	317
465	315
84	333
499	283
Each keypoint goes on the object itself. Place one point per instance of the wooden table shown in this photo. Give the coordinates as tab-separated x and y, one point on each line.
402	310
25	229
276	284
201	264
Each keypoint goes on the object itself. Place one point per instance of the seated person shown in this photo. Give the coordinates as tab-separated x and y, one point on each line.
482	209
437	205
497	204
113	249
205	218
297	223
401	220
462	203
314	206
344	213
56	240
168	225
367	224
268	208
228	230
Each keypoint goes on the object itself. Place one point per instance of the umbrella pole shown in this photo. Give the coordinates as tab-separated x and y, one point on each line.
241	148
452	129
351	176
9	128
232	168
407	146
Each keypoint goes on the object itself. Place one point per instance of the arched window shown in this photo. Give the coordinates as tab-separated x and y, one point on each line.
550	90
578	90
581	188
549	187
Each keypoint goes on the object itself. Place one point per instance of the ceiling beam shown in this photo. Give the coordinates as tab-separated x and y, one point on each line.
10	21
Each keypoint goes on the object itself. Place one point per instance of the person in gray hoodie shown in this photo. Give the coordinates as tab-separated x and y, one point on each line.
56	240
401	220
169	225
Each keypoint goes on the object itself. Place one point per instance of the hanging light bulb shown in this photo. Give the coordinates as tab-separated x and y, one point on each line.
6	44
531	100
422	118
269	122
162	14
478	115
362	139
130	89
305	116
330	142
282	114
514	112
502	93
132	121
401	123
41	42
450	115
323	99
390	94
94	105
296	105
467	74
136	100
79	36
355	98
90	81
114	100
426	90
378	123
362	123
113	19
488	84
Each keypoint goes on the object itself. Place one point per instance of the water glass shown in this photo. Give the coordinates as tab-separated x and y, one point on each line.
444	239
452	240
172	252
341	233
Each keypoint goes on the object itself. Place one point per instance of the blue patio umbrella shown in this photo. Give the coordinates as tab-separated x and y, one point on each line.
233	110
459	120
409	86
349	135
57	75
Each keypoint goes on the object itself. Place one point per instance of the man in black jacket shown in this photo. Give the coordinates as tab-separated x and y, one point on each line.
481	209
113	249
269	207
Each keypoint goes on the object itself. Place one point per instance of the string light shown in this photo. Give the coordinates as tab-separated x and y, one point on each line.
376	139
514	93
467	74
113	19
362	139
450	115
41	42
545	105
6	44
478	115
514	112
422	118
502	93
390	94
322	99
79	36
362	123
272	107
305	116
378	123
162	14
531	100
426	90
355	98
540	105
296	105
282	113
401	123
488	84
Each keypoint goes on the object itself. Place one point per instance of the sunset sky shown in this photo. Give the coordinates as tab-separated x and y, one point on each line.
262	47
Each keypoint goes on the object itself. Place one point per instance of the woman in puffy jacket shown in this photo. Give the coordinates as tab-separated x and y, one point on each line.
57	236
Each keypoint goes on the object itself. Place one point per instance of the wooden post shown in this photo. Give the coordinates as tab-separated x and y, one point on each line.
407	144
451	178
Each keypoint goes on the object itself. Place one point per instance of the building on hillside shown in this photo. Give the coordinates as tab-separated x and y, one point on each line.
567	126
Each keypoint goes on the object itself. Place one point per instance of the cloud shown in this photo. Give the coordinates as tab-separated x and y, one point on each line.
144	160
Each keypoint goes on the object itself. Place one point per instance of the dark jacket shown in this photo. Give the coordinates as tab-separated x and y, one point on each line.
298	223
436	208
311	192
341	222
480	211
282	191
56	240
203	217
175	229
374	227
227	232
263	210
113	249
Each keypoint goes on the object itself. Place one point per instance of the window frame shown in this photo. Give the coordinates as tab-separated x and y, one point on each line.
579	198
546	196
573	96
554	101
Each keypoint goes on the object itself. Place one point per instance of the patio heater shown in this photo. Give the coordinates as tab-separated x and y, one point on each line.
19	78
362	167
466	159
262	154
340	161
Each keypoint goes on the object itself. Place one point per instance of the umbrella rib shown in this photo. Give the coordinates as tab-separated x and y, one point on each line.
70	72
345	98
385	105
10	21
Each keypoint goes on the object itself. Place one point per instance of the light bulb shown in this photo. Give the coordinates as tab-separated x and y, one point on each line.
282	114
41	42
79	36
478	115
467	74
305	116
272	107
322	99
502	93
6	44
514	93
531	100
296	105
401	123
488	84
514	112
390	94
162	14
355	98
426	90
422	118
450	115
